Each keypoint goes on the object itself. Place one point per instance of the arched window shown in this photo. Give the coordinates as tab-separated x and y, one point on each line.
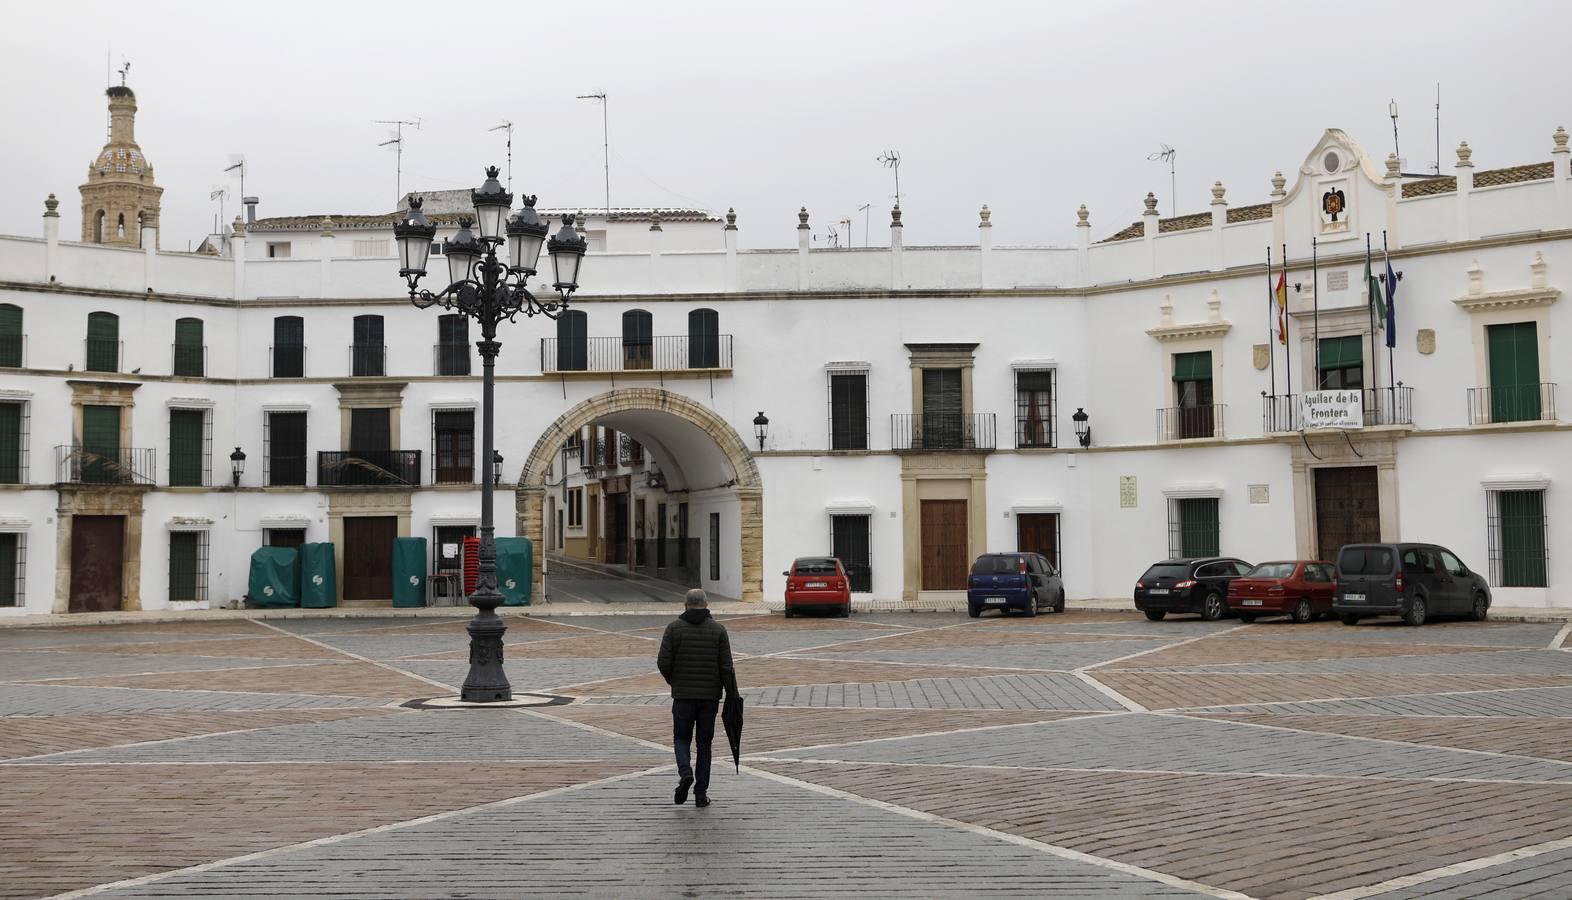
573	341
103	342
98	227
189	352
368	356
637	343
121	232
704	339
289	347
141	222
10	335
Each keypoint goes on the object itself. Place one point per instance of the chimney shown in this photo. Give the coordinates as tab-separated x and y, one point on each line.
251	208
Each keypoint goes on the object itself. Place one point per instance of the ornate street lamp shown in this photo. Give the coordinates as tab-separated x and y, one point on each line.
1083	431
761	428
237	463
490	291
496	467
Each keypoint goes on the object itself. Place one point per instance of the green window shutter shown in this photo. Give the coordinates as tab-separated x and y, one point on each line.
103	342
1514	372
1198	527
10	336
1522	538
186	451
703	339
183	563
1193	366
10	446
8	560
1342	352
573	341
101	463
188	348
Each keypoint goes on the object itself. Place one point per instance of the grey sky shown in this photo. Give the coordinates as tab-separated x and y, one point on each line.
1032	108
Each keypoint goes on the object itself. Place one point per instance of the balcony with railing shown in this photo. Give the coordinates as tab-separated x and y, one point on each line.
1512	403
102	354
1382	406
613	354
287	361
919	433
189	361
114	466
1188	423
368	468
369	360
450	359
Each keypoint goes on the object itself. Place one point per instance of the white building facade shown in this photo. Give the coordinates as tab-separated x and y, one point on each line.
920	401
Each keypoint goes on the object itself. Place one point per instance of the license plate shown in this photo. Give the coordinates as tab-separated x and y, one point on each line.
1252	603
817	584
1158	591
1354	598
994	601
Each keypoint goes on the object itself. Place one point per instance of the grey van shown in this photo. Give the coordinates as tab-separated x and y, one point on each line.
1413	581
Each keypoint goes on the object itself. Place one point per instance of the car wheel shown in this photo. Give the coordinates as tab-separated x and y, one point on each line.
973	611
1156	615
786	612
1303	612
1348	619
1058	606
846	613
1031	605
1481	609
1247	618
1416	612
1213	607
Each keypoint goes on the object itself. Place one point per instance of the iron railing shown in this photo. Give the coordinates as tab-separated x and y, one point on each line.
450	359
614	354
190	361
947	431
286	361
13	351
102	354
367	468
1035	431
368	359
75	464
1516	403
1382	406
1183	423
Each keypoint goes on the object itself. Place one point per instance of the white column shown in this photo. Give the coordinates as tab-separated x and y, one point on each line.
802	248
1465	187
1219	219
237	255
655	241
149	238
1279	232
984	246
1149	227
51	236
325	242
730	232
897	278
1561	166
1083	245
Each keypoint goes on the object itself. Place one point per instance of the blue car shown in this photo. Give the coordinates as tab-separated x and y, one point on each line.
1020	581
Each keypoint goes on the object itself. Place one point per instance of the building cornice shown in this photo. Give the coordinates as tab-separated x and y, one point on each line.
1520	299
1166	333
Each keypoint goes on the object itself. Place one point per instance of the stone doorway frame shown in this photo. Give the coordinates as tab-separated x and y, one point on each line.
530	492
1376	447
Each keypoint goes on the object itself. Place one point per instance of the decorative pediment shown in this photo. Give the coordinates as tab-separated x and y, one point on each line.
1538	293
1214	326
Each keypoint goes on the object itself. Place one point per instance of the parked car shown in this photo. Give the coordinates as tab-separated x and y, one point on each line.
1188	585
1006	581
817	583
1414	581
1300	589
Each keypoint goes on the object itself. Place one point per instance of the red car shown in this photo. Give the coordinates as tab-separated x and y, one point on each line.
1300	589
817	583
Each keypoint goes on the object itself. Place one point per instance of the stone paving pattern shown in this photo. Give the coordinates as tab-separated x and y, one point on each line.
1084	754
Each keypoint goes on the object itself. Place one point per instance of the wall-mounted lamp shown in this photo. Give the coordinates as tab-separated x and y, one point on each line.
496	467
761	428
237	464
1083	430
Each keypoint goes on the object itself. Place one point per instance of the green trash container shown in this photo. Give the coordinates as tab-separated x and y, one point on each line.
318	583
409	571
275	578
515	570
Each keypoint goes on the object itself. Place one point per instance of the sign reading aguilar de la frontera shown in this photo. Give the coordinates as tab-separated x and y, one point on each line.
1333	409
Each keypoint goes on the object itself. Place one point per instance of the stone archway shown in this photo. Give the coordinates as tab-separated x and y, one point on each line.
749	487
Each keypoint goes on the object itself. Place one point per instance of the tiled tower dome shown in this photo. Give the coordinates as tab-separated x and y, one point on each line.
120	198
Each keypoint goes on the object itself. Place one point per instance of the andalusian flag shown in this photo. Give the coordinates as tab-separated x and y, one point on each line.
1282	307
1373	284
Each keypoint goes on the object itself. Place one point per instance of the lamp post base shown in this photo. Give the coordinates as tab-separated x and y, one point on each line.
486	682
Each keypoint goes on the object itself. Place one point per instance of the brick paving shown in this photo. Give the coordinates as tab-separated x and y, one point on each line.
914	754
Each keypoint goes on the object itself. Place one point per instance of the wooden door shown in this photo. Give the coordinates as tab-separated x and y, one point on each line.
1347	508
1039	533
849	539
944	547
1514	372
616	528
97	563
368	557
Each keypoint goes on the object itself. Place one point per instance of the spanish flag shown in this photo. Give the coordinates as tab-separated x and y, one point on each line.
1282	308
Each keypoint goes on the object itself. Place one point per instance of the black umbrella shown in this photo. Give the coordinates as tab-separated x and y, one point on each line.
731	718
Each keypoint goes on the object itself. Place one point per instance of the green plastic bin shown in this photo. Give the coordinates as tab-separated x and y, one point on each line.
515	570
318	583
275	578
409	572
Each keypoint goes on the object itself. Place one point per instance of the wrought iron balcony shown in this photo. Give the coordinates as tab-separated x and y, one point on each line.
287	361
103	355
190	361
450	359
13	351
1516	403
917	432
75	464
368	468
1184	423
1382	406
368	360
614	354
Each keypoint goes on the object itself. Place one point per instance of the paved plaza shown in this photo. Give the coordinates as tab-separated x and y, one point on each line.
1086	754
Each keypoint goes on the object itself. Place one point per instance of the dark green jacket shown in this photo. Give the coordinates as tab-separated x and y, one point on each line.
695	657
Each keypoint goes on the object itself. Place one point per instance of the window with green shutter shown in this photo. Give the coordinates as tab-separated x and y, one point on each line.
1195	416
1194	528
187	565
190	354
1342	363
703	339
573	341
10	335
1514	372
101	461
1519	560
13	442
13	547
188	450
103	342
368	355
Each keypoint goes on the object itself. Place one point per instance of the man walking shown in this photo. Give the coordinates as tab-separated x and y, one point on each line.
695	659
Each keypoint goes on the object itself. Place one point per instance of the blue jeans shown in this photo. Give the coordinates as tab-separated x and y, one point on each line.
685	714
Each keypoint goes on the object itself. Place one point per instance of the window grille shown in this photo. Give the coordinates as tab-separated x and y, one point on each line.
286	537
284	449
11	337
13	568
451	536
14	426
1518	538
103	342
851	544
188	566
190	447
1036	408
1194	528
849	422
453	446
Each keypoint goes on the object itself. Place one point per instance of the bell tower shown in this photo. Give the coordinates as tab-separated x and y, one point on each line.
120	198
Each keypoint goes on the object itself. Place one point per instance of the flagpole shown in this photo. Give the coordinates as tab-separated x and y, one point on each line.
1370	303
1315	308
1391	291
1271	320
1288	353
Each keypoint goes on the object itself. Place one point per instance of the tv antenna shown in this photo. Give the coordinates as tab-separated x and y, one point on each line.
507	125
846	222
1167	155
238	161
1438	128
396	141
605	139
1391	110
218	193
891	159
864	210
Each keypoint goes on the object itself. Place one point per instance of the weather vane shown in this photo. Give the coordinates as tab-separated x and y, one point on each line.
123	70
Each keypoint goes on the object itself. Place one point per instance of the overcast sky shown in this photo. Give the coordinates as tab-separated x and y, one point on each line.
1032	107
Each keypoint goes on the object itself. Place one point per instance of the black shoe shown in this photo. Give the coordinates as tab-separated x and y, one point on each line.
682	790
701	799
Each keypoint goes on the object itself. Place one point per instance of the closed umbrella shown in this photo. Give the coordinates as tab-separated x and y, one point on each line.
731	718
